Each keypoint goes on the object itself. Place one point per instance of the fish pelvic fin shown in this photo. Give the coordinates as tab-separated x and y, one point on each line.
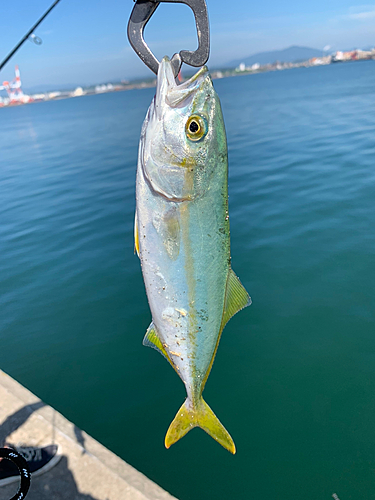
200	415
136	235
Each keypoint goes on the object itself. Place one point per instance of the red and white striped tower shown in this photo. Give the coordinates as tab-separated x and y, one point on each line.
14	89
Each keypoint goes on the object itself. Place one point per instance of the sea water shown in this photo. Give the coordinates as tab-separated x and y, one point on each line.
294	377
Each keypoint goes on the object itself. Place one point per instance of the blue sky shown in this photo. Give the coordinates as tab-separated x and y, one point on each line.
85	42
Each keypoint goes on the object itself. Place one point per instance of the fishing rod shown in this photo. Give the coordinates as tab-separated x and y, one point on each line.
3	63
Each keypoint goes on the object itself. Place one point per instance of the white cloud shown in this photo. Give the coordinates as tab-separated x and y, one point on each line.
362	13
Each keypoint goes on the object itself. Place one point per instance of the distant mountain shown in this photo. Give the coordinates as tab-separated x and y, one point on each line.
291	54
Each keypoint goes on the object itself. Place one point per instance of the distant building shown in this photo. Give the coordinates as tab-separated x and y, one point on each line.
365	54
78	92
353	55
104	88
317	61
100	88
53	95
38	97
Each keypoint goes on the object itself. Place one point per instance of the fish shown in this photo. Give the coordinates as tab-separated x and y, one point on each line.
182	238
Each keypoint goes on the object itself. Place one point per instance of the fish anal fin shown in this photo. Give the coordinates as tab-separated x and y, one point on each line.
236	298
152	340
202	416
136	235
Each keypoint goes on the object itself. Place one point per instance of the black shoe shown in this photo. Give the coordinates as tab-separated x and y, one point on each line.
39	460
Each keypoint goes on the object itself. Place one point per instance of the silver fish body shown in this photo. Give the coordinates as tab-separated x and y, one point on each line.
182	238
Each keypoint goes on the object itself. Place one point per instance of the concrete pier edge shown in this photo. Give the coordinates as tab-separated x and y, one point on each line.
94	471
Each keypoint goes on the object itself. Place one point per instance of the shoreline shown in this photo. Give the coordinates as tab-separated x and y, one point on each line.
215	75
86	468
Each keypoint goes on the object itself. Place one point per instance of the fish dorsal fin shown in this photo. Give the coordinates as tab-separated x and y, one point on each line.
136	235
152	340
236	298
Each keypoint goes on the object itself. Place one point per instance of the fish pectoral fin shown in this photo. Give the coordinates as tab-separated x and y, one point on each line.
151	339
236	298
201	416
136	234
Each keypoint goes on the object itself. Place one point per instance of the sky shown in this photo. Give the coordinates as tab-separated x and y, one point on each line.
85	41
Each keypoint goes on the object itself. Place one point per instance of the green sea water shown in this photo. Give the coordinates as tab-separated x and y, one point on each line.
294	377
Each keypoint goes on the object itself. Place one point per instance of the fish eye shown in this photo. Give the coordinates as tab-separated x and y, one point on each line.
196	128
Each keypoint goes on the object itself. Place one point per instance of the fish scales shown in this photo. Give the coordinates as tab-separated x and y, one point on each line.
182	238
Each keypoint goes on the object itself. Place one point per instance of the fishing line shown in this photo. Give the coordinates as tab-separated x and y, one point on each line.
30	35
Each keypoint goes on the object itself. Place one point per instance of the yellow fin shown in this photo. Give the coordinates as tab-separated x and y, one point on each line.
201	416
136	235
151	339
236	298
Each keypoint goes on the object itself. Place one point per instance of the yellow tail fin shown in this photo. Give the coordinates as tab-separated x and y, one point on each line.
201	416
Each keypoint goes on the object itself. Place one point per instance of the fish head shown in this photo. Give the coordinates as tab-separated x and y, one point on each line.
183	139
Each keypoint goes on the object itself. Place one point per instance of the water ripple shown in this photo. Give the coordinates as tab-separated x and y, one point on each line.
73	307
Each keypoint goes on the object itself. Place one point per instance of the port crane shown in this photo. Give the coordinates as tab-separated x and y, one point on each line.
14	89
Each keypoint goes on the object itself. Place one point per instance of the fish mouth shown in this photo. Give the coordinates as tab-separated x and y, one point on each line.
174	94
171	177
199	75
